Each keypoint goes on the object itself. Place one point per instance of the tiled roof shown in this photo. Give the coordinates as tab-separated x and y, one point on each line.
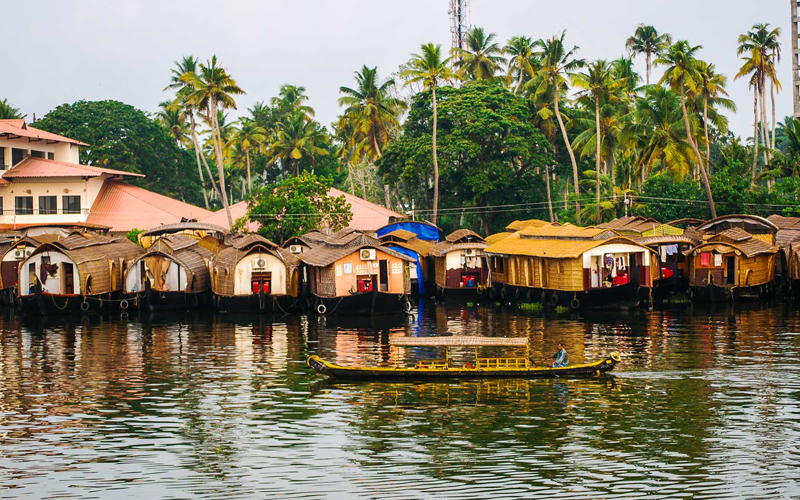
20	129
124	207
40	167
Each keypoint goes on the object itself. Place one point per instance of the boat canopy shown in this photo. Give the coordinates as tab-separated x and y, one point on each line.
457	341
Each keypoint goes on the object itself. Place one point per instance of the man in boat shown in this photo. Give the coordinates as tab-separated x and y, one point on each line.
561	358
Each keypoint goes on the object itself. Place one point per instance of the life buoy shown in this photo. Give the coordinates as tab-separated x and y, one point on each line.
554	299
690	293
480	289
503	293
492	293
529	297
407	305
84	306
517	294
575	303
321	309
123	305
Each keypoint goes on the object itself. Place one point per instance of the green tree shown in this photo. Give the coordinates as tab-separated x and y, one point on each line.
682	75
8	112
489	150
212	90
558	62
250	136
522	64
124	138
296	140
170	115
296	206
646	40
481	59
712	90
429	68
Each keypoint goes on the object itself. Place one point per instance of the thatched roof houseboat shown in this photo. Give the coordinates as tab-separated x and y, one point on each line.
732	263
82	272
570	265
171	274
351	272
671	268
409	244
254	275
460	265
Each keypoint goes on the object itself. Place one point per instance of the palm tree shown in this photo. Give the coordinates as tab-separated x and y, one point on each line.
522	63
213	89
646	40
8	112
373	110
251	136
482	57
171	115
712	90
682	75
557	62
429	68
297	139
598	83
291	98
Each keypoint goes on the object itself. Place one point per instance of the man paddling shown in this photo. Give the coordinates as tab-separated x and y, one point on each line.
561	359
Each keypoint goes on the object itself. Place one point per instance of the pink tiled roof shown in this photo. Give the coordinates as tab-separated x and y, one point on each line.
367	216
19	128
39	167
124	207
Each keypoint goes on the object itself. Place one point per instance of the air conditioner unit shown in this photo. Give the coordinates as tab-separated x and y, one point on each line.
27	253
18	254
469	252
295	249
259	263
368	254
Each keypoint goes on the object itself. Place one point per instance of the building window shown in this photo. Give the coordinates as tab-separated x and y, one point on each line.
71	204
51	156
3	164
17	155
1	206
37	154
47	205
23	205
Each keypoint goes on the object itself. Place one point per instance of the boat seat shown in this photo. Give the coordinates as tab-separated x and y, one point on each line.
433	364
499	363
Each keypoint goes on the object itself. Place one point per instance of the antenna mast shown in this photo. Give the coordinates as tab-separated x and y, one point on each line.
459	21
795	55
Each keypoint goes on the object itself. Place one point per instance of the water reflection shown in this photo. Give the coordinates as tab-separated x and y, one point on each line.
705	404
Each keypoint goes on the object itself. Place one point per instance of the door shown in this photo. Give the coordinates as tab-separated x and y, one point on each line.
68	283
383	276
730	270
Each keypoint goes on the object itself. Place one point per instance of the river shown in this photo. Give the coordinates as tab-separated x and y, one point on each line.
706	404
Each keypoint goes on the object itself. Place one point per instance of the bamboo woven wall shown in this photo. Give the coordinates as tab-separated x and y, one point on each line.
441	270
757	270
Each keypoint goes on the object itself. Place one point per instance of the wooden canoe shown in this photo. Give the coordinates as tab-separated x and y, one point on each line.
409	373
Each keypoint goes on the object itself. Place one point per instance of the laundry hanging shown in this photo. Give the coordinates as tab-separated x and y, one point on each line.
717	260
705	259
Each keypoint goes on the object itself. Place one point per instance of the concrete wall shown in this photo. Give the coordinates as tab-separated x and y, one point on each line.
61	151
59	188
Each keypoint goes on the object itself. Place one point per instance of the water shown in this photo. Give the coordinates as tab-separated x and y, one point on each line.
704	405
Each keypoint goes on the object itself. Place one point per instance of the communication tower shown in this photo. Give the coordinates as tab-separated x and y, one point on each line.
795	55
460	21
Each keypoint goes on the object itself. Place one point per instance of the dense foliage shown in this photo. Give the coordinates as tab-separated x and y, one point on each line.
124	138
295	206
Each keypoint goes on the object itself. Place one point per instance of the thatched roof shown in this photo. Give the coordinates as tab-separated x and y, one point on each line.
751	223
567	231
184	226
494	238
187	253
782	222
463	236
666	239
342	244
244	241
734	239
421	247
552	248
519	225
632	224
398	235
458	341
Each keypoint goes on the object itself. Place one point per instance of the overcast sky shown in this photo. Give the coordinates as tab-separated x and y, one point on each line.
60	51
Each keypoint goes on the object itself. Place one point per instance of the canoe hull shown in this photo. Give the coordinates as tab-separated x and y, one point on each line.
404	373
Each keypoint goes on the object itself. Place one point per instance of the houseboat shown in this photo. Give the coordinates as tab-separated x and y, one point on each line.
671	272
352	273
409	244
571	266
460	265
82	272
13	250
171	275
787	268
254	275
732	265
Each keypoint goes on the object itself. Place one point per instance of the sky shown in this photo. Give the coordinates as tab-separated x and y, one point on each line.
61	51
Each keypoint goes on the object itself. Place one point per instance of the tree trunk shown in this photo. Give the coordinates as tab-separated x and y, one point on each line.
197	158
249	179
613	175
549	198
220	167
764	126
435	162
755	135
207	167
647	63
597	155
569	150
697	153
774	119
519	83
705	126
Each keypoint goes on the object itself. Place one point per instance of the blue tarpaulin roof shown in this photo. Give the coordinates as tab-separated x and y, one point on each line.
423	230
413	255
